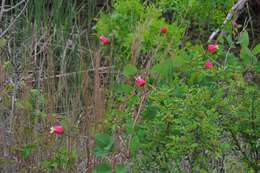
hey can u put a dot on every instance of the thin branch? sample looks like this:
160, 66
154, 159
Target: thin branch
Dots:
251, 24
2, 10
13, 22
233, 14
68, 74
13, 7
136, 117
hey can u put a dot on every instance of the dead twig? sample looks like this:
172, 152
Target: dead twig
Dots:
27, 78
233, 14
13, 7
2, 10
15, 19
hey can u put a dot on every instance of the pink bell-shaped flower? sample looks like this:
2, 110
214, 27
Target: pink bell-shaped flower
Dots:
212, 47
104, 40
58, 129
163, 30
139, 81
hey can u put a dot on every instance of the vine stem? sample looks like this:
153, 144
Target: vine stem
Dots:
136, 117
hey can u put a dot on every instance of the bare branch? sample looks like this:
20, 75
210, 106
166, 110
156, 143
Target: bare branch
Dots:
13, 22
2, 10
233, 14
13, 7
101, 69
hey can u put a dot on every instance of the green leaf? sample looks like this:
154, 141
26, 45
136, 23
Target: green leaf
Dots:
2, 42
229, 40
24, 104
8, 67
49, 164
102, 168
135, 144
122, 88
247, 56
150, 112
258, 68
196, 77
226, 146
104, 144
121, 169
54, 165
26, 153
27, 150
165, 69
244, 39
256, 50
179, 60
130, 70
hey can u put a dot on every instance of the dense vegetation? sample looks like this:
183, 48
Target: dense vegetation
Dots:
132, 83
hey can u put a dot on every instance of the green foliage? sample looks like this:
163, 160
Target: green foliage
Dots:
106, 168
232, 165
8, 67
130, 70
189, 111
186, 119
2, 42
248, 56
136, 27
121, 169
102, 168
241, 120
256, 50
244, 39
37, 99
123, 20
27, 150
62, 159
33, 104
196, 14
104, 144
184, 124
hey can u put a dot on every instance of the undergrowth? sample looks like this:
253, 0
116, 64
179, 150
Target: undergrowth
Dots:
198, 111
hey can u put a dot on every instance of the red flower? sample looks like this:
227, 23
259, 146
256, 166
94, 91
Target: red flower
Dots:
104, 40
163, 30
212, 47
57, 129
139, 81
208, 64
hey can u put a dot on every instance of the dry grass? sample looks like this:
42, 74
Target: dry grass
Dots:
60, 66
